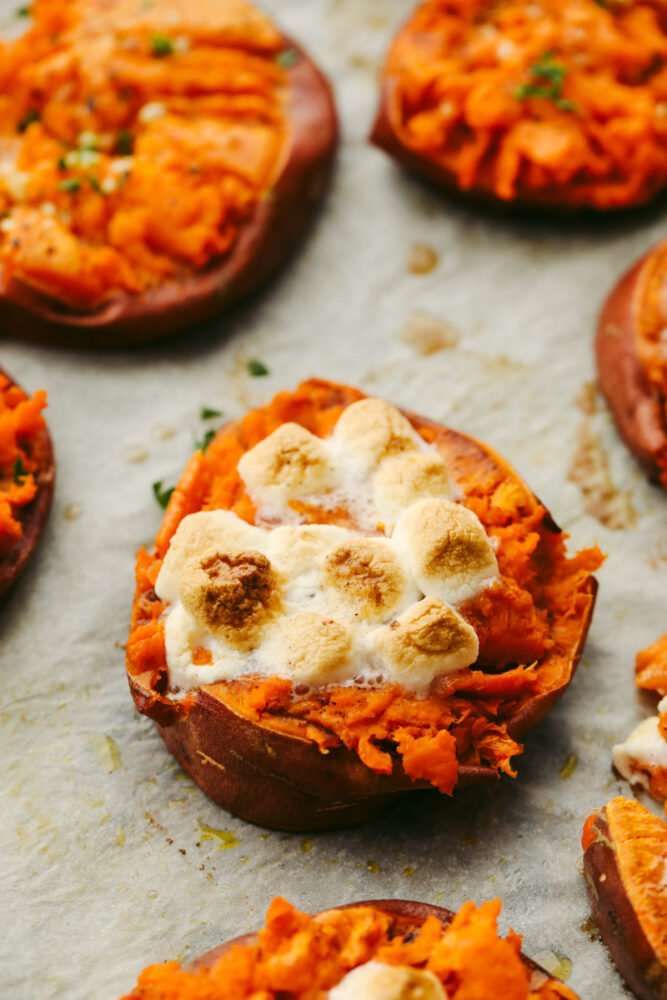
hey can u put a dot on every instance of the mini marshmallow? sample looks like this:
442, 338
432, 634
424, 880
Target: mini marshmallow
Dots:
403, 479
429, 640
311, 649
291, 462
644, 752
377, 981
372, 430
446, 548
296, 549
365, 580
195, 534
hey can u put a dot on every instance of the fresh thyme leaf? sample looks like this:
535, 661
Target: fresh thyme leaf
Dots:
62, 163
161, 46
30, 116
71, 184
257, 368
95, 185
162, 496
287, 58
23, 11
205, 441
206, 413
124, 145
20, 471
547, 81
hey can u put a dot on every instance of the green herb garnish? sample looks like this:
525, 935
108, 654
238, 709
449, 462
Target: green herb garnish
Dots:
287, 58
23, 11
70, 184
257, 368
161, 46
548, 78
30, 117
124, 145
205, 441
206, 413
162, 496
95, 185
20, 471
62, 163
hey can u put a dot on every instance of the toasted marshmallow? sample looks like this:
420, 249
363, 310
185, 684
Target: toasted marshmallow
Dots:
429, 640
371, 430
403, 479
297, 549
643, 753
446, 548
182, 635
291, 462
377, 981
311, 649
198, 532
230, 595
366, 580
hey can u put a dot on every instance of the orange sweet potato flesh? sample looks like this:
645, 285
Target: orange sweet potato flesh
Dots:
309, 955
651, 667
339, 755
136, 264
511, 109
625, 857
632, 372
27, 476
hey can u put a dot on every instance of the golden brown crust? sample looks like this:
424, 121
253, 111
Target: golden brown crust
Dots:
33, 516
263, 245
636, 405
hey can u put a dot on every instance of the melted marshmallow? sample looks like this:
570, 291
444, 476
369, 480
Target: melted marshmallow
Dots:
377, 981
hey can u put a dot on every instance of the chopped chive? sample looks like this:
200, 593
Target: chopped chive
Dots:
70, 184
206, 413
548, 79
257, 368
287, 58
205, 441
30, 116
161, 46
20, 471
162, 496
95, 185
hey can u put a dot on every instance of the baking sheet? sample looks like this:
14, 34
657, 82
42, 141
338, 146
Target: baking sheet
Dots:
111, 857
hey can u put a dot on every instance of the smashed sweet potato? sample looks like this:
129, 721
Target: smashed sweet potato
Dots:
560, 104
631, 362
157, 162
27, 475
436, 953
336, 754
625, 859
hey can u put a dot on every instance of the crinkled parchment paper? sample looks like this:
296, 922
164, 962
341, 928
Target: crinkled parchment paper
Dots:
111, 858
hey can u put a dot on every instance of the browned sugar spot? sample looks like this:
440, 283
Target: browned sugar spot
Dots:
427, 334
589, 469
422, 259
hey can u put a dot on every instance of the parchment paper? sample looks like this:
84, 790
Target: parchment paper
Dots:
110, 856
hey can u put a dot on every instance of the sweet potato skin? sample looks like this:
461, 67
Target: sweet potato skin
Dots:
284, 782
263, 245
408, 916
616, 918
635, 404
33, 518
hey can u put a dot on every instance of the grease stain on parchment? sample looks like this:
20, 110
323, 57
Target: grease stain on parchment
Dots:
107, 752
422, 259
589, 470
225, 838
427, 334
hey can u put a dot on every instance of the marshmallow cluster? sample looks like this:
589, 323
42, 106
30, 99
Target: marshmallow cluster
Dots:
319, 603
644, 752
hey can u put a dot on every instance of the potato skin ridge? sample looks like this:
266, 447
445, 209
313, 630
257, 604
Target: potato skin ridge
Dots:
635, 404
264, 244
614, 913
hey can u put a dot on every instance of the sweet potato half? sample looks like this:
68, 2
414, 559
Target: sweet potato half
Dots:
631, 369
338, 755
625, 858
266, 225
308, 956
27, 476
506, 108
